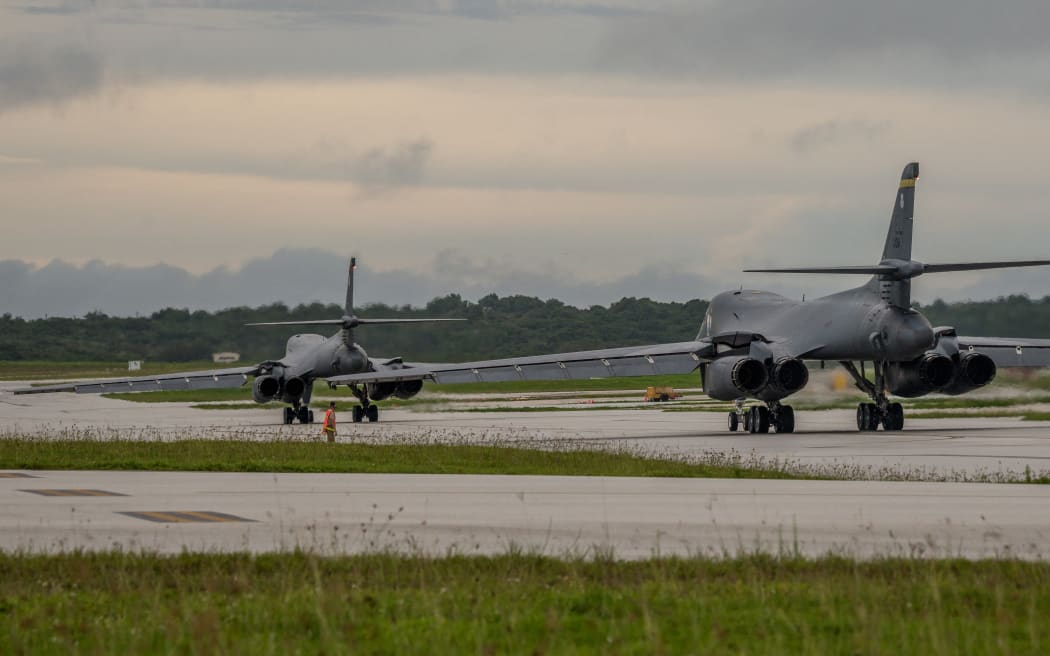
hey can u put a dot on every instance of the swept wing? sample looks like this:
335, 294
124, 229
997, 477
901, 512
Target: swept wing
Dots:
187, 380
1010, 351
676, 358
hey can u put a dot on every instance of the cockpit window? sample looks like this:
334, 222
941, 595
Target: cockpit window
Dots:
705, 327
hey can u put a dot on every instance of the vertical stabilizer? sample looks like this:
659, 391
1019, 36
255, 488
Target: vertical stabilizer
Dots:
898, 239
348, 310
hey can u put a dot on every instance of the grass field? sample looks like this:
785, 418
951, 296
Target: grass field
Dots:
518, 604
284, 456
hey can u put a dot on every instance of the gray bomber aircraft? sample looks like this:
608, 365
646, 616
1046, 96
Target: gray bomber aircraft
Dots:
756, 345
307, 357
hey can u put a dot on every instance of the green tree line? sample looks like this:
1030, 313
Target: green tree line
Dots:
495, 327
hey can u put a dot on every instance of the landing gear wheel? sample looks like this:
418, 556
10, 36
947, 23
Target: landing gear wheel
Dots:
372, 412
759, 419
785, 419
357, 414
303, 415
289, 415
894, 419
868, 417
310, 417
734, 422
874, 417
747, 420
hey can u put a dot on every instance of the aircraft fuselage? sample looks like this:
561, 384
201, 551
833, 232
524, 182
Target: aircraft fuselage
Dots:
850, 325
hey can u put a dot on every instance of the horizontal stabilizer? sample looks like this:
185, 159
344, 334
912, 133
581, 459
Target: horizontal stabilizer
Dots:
977, 266
353, 322
319, 322
864, 270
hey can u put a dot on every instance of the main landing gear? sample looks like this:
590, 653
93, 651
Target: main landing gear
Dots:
761, 418
298, 412
367, 409
882, 411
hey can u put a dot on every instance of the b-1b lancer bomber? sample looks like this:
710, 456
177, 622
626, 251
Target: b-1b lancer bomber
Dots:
756, 345
290, 379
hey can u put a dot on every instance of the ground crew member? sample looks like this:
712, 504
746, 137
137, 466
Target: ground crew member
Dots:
329, 422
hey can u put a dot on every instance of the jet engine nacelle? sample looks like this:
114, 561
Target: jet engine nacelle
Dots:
789, 375
972, 371
406, 389
730, 378
294, 387
403, 390
930, 372
380, 391
265, 388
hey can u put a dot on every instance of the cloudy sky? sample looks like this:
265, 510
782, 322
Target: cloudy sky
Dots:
209, 153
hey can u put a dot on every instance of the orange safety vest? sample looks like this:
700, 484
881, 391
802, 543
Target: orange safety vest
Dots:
329, 421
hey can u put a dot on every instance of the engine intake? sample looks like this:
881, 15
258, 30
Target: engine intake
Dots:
973, 370
265, 388
928, 373
730, 378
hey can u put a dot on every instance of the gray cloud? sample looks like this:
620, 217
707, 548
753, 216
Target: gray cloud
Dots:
730, 39
396, 166
833, 132
942, 43
32, 74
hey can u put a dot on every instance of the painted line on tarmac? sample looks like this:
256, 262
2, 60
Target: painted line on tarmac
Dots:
75, 493
184, 516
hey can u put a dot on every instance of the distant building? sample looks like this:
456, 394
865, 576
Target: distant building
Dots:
225, 357
134, 365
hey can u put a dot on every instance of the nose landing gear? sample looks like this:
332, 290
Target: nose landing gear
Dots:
882, 411
367, 409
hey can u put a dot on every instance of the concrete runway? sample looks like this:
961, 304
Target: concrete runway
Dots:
958, 449
556, 515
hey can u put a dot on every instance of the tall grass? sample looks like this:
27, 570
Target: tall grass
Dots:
518, 603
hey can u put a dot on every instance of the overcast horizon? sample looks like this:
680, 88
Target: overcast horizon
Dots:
215, 153
59, 289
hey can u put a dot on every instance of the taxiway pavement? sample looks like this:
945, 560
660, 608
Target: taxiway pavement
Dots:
561, 516
966, 448
626, 517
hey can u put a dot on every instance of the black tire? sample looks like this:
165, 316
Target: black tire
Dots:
310, 417
372, 412
303, 415
761, 418
357, 414
862, 416
894, 419
289, 415
747, 420
734, 422
874, 417
786, 419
